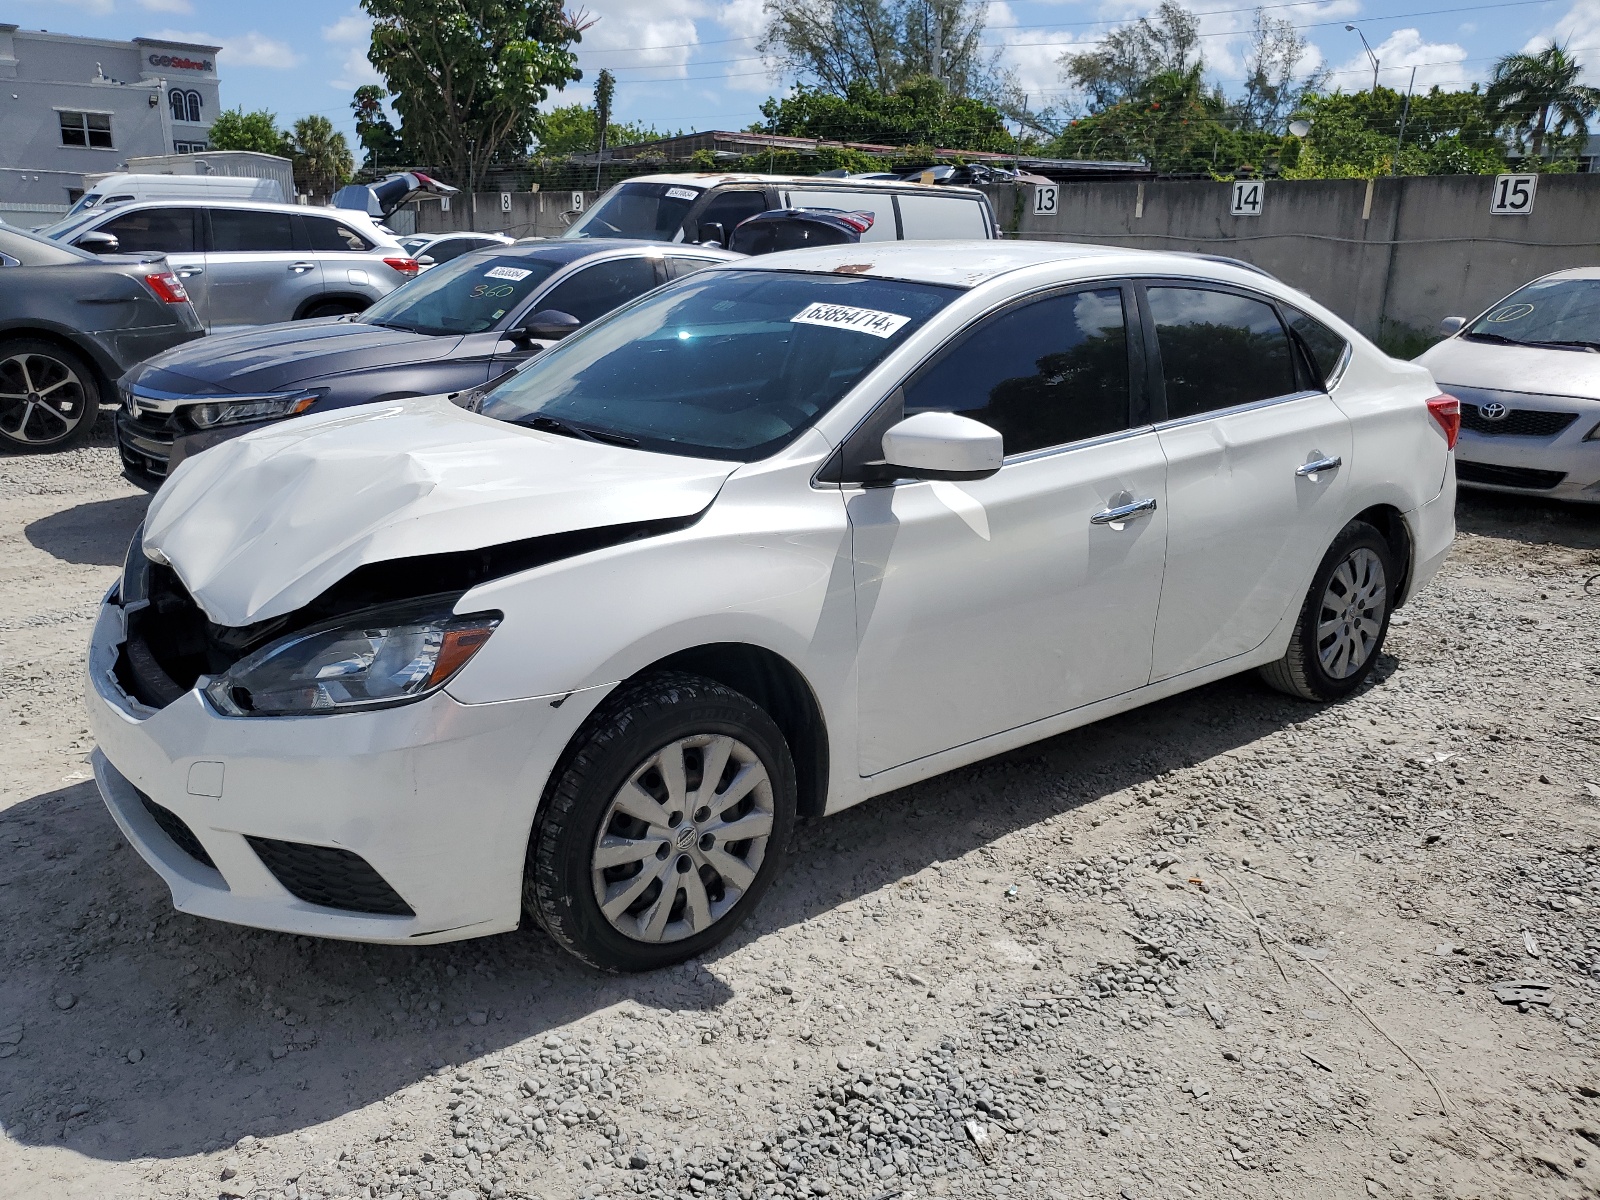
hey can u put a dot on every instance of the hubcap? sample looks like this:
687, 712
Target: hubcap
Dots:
1352, 613
41, 399
683, 839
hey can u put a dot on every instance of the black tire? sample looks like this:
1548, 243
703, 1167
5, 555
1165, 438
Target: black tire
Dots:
1301, 671
65, 392
642, 720
332, 308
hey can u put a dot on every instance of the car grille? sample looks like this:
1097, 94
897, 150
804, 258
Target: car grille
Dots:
182, 836
1517, 477
145, 441
330, 877
1517, 422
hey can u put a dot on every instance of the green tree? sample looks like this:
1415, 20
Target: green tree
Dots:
570, 129
1538, 96
920, 112
467, 76
1357, 136
321, 155
235, 129
378, 137
1129, 57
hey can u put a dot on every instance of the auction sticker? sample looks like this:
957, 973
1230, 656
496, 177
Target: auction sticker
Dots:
514, 274
842, 316
677, 193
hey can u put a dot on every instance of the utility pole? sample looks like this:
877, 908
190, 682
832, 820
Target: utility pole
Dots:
605, 86
1405, 113
938, 41
1370, 55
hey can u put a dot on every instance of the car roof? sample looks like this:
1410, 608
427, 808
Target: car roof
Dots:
565, 251
1569, 273
970, 263
711, 179
320, 210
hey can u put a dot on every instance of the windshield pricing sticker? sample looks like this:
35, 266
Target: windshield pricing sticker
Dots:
514, 274
677, 193
841, 316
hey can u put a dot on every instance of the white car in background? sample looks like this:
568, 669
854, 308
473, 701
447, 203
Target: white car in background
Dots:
1527, 373
431, 249
770, 540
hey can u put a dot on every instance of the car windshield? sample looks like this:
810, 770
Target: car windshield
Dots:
727, 364
469, 295
412, 244
68, 224
31, 250
652, 211
1551, 312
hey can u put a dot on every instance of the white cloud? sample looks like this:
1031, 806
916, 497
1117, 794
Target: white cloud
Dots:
354, 32
1578, 27
166, 6
245, 50
1437, 63
352, 27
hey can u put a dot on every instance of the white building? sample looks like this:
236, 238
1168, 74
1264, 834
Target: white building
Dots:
76, 106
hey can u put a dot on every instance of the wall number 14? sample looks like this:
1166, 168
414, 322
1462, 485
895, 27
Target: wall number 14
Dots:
1247, 196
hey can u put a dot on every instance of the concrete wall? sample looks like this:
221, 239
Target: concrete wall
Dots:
533, 214
1395, 252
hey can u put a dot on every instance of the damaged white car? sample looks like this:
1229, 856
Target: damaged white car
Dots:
769, 541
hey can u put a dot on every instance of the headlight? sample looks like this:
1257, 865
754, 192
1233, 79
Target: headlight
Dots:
374, 659
257, 408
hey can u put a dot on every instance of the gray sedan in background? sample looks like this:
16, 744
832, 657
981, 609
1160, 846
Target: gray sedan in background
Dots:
70, 324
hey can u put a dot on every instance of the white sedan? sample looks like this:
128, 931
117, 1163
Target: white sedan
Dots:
765, 543
1527, 373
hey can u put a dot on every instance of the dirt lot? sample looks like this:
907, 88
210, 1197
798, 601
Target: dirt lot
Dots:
1230, 945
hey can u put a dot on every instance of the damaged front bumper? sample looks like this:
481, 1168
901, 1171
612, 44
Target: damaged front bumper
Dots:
402, 825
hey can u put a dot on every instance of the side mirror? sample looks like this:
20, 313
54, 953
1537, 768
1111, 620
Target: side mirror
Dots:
712, 234
97, 243
547, 323
1452, 325
936, 445
426, 260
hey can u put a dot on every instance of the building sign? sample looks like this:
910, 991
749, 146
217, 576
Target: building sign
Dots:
179, 61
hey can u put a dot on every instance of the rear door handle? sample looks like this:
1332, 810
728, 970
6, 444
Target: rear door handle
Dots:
1124, 512
187, 272
1317, 465
299, 267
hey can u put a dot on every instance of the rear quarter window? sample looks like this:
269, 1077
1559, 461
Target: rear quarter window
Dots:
942, 218
1328, 351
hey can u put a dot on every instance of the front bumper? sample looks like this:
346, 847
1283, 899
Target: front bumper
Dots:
437, 798
1564, 466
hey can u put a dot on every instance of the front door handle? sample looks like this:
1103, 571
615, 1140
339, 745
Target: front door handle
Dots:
1123, 512
298, 267
1317, 465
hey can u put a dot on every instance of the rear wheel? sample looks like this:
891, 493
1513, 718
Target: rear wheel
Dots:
49, 398
665, 825
332, 308
1344, 620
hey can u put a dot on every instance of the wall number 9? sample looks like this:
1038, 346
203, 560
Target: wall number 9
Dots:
1513, 195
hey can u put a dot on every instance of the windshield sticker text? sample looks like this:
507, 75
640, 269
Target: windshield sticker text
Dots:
842, 316
515, 274
675, 193
1511, 312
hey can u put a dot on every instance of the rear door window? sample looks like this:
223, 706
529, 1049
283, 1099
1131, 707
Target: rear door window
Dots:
879, 204
942, 217
595, 291
242, 230
158, 230
327, 234
1043, 373
451, 248
1219, 349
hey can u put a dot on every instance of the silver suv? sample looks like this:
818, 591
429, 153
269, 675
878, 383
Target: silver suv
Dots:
249, 263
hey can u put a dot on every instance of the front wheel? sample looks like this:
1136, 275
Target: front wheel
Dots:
1344, 620
664, 825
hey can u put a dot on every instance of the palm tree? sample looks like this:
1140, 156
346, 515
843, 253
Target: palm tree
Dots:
1539, 95
322, 156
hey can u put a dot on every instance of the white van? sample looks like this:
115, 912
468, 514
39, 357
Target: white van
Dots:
119, 189
705, 208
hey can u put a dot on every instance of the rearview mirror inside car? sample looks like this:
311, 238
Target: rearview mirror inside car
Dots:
1452, 325
97, 243
712, 233
547, 323
934, 445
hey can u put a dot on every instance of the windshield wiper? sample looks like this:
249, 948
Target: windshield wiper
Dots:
1494, 337
1569, 343
566, 429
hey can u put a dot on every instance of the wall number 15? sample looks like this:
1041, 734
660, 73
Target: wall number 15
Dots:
1513, 195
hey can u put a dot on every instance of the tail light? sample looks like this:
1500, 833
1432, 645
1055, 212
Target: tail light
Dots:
168, 287
406, 266
859, 221
1447, 411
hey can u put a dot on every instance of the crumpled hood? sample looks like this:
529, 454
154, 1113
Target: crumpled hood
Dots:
1528, 369
261, 525
270, 358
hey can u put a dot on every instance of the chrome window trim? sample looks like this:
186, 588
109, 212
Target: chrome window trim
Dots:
1211, 414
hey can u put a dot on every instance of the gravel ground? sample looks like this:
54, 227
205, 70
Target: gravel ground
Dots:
1229, 945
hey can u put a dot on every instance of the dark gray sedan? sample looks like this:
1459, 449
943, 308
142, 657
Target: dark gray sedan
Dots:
70, 324
452, 328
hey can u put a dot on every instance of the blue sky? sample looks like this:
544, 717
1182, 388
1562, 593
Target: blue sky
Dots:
693, 64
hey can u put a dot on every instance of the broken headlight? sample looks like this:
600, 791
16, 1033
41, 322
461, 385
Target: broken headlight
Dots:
372, 659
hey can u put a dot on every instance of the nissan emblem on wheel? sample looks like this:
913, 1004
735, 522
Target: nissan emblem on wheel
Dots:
579, 648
